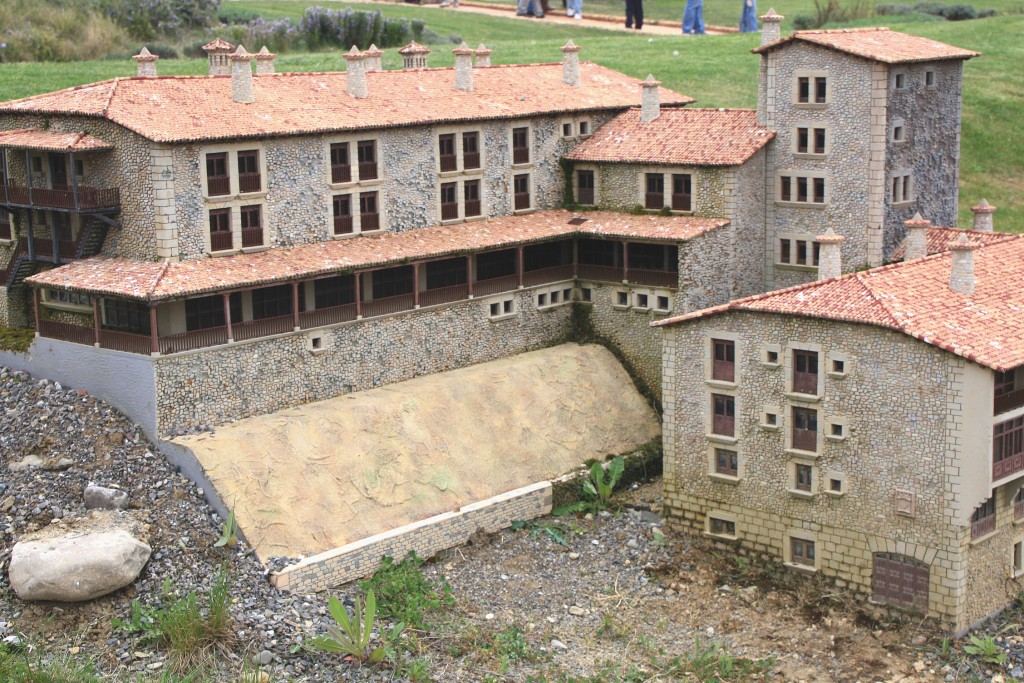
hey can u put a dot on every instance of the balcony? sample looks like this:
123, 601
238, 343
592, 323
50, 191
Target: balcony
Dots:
368, 170
654, 278
343, 225
449, 162
61, 198
218, 186
805, 383
520, 155
221, 240
341, 173
983, 526
682, 202
252, 237
250, 182
1008, 401
654, 200
805, 440
473, 208
449, 211
522, 201
587, 271
471, 160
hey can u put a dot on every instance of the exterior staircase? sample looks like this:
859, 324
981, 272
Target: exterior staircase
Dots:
20, 267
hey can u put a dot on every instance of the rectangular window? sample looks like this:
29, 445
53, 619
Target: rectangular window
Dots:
900, 81
5, 225
252, 226
567, 129
654, 197
271, 302
63, 296
799, 252
249, 171
682, 192
341, 168
901, 186
805, 429
584, 128
130, 316
521, 190
802, 477
220, 230
805, 372
217, 181
471, 196
983, 521
470, 151
342, 211
1018, 557
446, 152
447, 273
369, 218
390, 282
366, 150
810, 140
897, 133
722, 527
724, 366
495, 264
449, 201
802, 551
723, 421
329, 292
585, 187
802, 189
1008, 448
929, 79
1005, 382
520, 145
820, 89
204, 312
803, 89
726, 462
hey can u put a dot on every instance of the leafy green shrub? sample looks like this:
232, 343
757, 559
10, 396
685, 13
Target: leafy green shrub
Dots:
64, 32
162, 19
237, 15
322, 28
164, 51
16, 339
602, 482
987, 649
351, 635
405, 595
956, 12
804, 22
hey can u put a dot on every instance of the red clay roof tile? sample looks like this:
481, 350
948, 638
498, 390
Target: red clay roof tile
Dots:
52, 140
938, 239
876, 43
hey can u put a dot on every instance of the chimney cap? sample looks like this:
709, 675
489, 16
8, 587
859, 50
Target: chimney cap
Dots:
917, 222
961, 243
218, 45
983, 207
482, 50
772, 15
146, 55
830, 237
354, 54
463, 50
240, 55
264, 53
570, 47
373, 51
649, 82
414, 48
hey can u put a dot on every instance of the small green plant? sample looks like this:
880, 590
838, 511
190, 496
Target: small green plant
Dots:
17, 666
611, 627
556, 532
351, 635
404, 594
16, 339
986, 648
142, 620
713, 662
228, 533
602, 482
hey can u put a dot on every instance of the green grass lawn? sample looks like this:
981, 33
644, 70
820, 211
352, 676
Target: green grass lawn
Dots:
718, 71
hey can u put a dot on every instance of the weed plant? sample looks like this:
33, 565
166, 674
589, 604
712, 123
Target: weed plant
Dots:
404, 594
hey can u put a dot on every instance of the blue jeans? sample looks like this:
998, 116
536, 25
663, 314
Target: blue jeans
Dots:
693, 17
574, 6
634, 12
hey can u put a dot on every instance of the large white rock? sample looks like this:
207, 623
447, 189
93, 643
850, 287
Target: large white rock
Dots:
76, 566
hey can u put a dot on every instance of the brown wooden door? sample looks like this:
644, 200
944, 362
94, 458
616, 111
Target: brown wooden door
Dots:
901, 581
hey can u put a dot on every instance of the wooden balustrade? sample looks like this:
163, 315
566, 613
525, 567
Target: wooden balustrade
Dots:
654, 278
250, 182
541, 276
389, 304
505, 283
69, 332
985, 525
196, 339
252, 237
327, 316
341, 173
264, 327
62, 197
444, 295
586, 271
126, 341
1008, 402
217, 186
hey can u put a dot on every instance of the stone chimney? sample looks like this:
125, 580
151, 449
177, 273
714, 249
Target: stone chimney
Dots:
414, 56
982, 214
265, 61
217, 53
961, 273
771, 27
650, 105
830, 257
145, 64
355, 74
571, 63
463, 68
374, 56
483, 55
241, 76
916, 244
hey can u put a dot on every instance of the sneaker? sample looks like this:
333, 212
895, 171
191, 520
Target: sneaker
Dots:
578, 15
568, 12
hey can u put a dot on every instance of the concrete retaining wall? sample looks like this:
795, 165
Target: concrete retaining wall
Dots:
425, 537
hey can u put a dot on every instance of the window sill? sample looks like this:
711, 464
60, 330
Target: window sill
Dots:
797, 493
248, 196
810, 156
71, 308
803, 568
983, 538
802, 398
523, 212
721, 438
720, 537
801, 205
720, 384
619, 307
225, 252
771, 366
723, 478
660, 311
255, 250
345, 236
252, 195
548, 307
6, 243
810, 105
836, 375
499, 318
768, 427
1018, 522
902, 205
805, 455
317, 352
835, 494
835, 439
798, 268
354, 184
521, 167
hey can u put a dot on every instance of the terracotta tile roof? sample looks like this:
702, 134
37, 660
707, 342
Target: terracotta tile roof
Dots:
876, 43
938, 239
153, 281
697, 137
914, 297
220, 45
51, 140
186, 108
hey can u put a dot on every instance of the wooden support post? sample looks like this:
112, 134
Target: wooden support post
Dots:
359, 294
74, 180
6, 177
295, 306
28, 175
154, 336
96, 319
469, 276
415, 285
29, 237
575, 257
625, 263
35, 307
227, 315
519, 258
55, 242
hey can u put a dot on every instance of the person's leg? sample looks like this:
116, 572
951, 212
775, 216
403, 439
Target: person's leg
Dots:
639, 14
629, 13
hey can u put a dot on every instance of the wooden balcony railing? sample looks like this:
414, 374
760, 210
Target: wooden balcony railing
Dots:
723, 425
1018, 509
449, 212
805, 382
473, 208
263, 327
63, 197
1007, 466
444, 295
586, 271
522, 201
250, 182
126, 341
341, 173
805, 440
369, 221
70, 332
471, 160
682, 202
389, 304
343, 225
218, 185
221, 241
585, 195
196, 339
327, 316
723, 370
1007, 402
542, 276
449, 162
654, 200
985, 525
654, 278
252, 237
5, 230
520, 155
505, 283
368, 171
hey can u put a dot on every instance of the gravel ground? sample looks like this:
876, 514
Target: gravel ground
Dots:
618, 602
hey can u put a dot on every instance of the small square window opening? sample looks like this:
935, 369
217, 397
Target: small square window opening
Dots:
838, 430
642, 301
506, 306
566, 130
838, 366
586, 294
722, 527
835, 485
622, 298
772, 356
662, 303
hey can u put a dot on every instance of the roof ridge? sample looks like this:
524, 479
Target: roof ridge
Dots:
874, 297
160, 276
110, 97
858, 29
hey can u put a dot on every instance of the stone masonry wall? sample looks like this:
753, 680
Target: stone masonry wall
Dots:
426, 538
253, 378
892, 420
620, 187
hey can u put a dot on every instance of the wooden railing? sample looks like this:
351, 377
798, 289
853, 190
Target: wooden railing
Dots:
368, 171
723, 425
805, 382
61, 197
250, 182
505, 283
586, 271
327, 316
585, 195
805, 440
369, 221
682, 202
221, 241
70, 332
471, 160
5, 230
444, 295
723, 370
985, 525
522, 201
389, 304
449, 211
654, 200
196, 339
1018, 509
263, 327
473, 208
520, 155
449, 162
343, 225
341, 173
1007, 402
126, 341
654, 278
218, 185
252, 237
542, 276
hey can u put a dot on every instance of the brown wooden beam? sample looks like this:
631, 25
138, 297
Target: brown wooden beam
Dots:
96, 319
153, 330
227, 314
